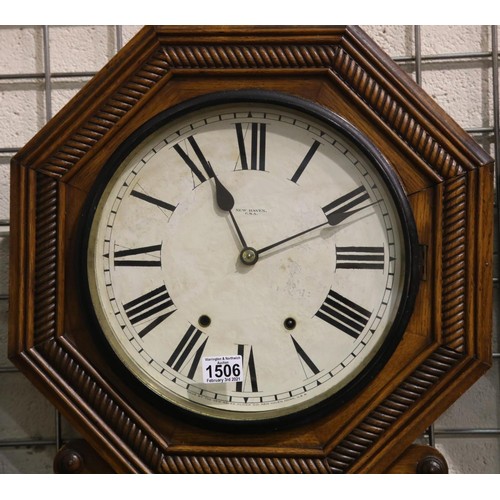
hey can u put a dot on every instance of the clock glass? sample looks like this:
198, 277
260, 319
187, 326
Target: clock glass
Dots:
251, 256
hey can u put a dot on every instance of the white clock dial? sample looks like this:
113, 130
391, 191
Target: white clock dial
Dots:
249, 229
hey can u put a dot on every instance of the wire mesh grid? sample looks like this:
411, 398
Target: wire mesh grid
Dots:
415, 64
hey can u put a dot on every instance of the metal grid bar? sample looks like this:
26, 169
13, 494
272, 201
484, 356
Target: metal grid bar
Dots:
47, 75
41, 76
417, 62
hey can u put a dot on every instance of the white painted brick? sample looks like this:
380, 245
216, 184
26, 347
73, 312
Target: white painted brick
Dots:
471, 454
129, 31
24, 412
4, 188
4, 268
4, 362
478, 407
463, 90
455, 39
394, 40
80, 48
21, 50
36, 460
22, 112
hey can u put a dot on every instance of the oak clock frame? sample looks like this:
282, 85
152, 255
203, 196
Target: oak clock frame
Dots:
448, 181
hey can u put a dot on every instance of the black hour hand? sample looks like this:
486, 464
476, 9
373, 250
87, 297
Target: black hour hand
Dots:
223, 197
225, 202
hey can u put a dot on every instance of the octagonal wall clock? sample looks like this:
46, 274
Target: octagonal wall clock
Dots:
251, 250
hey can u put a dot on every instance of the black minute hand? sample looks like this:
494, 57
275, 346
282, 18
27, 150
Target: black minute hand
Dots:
333, 219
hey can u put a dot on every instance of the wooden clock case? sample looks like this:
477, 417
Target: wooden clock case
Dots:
447, 178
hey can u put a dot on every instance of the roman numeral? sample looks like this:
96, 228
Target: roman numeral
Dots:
305, 359
347, 203
360, 258
188, 352
154, 201
305, 161
190, 162
246, 353
257, 158
138, 257
343, 314
151, 309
